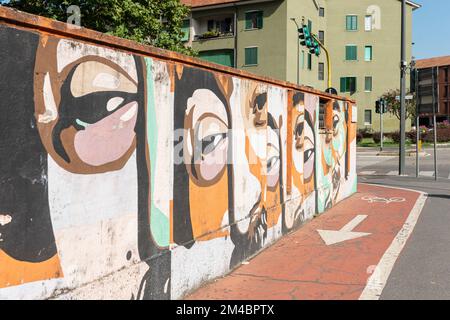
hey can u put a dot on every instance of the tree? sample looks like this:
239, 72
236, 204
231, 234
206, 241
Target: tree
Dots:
153, 22
393, 105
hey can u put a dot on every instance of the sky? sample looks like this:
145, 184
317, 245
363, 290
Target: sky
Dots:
431, 29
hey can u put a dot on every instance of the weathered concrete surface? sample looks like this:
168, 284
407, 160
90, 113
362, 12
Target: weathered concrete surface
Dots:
302, 266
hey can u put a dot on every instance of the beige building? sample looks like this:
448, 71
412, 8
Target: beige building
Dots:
363, 38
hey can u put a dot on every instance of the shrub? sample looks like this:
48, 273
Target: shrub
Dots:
376, 136
359, 137
366, 132
395, 136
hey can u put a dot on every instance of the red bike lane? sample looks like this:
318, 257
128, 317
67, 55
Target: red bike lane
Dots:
331, 257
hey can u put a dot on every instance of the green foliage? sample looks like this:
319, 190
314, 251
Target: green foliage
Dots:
154, 22
393, 104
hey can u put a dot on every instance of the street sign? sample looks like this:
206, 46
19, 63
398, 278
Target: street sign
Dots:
427, 90
410, 97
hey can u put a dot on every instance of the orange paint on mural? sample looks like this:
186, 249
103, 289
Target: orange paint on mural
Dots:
208, 206
14, 272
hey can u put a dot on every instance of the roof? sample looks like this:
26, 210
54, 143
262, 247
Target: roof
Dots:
433, 62
205, 3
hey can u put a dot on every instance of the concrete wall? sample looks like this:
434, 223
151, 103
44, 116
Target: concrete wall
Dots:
129, 172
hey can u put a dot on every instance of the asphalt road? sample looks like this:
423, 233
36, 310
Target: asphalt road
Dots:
370, 164
423, 269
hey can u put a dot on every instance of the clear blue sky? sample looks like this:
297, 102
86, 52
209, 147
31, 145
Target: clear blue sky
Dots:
431, 31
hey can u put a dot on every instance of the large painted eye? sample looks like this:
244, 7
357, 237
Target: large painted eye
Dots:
308, 154
273, 159
211, 142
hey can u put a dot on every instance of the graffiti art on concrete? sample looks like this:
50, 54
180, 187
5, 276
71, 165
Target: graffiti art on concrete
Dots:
128, 176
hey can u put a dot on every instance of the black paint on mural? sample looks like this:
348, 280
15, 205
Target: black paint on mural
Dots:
23, 159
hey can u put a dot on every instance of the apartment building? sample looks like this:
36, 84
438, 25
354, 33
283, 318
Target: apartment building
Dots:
260, 36
443, 65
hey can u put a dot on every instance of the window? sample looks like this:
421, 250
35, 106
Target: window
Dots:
321, 12
348, 84
352, 23
368, 53
253, 20
322, 36
368, 84
223, 57
185, 28
367, 117
368, 23
351, 53
222, 26
251, 56
321, 71
309, 61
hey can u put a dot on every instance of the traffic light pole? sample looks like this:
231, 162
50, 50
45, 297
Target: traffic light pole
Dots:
328, 59
381, 127
402, 158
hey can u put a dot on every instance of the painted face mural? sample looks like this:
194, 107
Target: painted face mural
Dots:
339, 147
124, 176
257, 166
89, 112
303, 158
201, 155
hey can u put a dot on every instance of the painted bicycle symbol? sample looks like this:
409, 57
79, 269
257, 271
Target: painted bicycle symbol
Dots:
374, 199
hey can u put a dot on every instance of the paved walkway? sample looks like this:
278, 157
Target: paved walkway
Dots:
346, 253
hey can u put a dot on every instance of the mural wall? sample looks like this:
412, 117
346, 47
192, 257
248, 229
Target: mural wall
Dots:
129, 177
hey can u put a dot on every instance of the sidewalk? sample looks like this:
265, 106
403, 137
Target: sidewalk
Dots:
364, 231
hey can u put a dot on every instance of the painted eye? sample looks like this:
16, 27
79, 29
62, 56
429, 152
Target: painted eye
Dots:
335, 121
308, 154
210, 143
273, 171
299, 129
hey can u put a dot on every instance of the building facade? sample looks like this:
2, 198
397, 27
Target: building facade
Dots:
260, 36
443, 65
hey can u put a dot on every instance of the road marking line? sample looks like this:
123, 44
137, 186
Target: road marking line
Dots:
379, 277
392, 173
367, 173
426, 173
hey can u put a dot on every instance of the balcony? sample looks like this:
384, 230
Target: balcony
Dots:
208, 28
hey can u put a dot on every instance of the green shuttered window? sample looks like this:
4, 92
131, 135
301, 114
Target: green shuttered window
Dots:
368, 53
251, 56
185, 28
351, 53
368, 84
348, 84
352, 23
253, 20
223, 57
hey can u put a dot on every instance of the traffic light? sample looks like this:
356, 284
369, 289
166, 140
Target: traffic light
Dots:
307, 40
378, 106
315, 49
381, 106
305, 36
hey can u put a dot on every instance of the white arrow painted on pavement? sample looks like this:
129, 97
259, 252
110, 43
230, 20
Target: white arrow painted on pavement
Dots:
346, 233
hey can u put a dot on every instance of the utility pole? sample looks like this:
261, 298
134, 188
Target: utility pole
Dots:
403, 65
383, 104
298, 51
